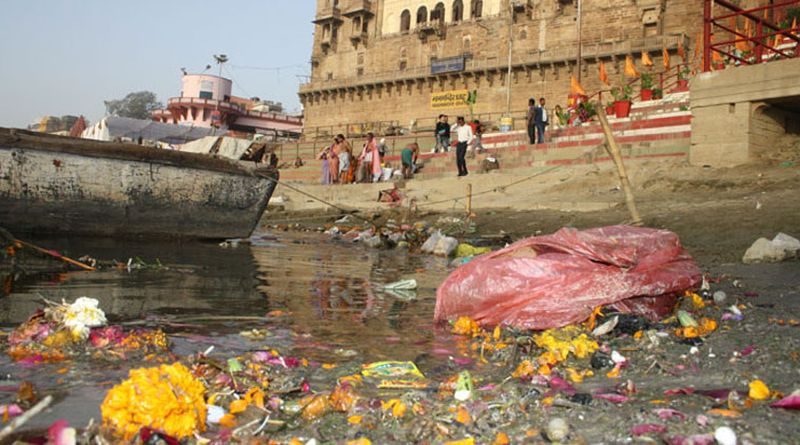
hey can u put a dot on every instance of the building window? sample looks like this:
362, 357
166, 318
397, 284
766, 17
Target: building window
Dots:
437, 15
458, 11
422, 15
206, 95
359, 71
403, 65
477, 9
357, 25
405, 21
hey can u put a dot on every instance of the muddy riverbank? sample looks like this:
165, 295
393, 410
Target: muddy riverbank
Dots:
319, 301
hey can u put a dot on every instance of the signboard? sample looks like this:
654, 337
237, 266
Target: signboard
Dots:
451, 65
449, 99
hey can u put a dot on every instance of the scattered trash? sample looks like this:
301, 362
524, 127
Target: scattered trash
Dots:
725, 436
393, 370
781, 247
409, 284
557, 429
468, 250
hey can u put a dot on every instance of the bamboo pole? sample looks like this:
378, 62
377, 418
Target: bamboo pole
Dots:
469, 199
613, 150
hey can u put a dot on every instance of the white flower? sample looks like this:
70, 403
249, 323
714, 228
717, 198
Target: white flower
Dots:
85, 311
81, 315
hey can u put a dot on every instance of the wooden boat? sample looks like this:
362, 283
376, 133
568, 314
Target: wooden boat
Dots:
55, 184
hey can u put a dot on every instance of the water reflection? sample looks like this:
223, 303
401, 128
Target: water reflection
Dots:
330, 292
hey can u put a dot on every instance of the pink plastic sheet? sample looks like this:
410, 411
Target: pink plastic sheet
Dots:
555, 280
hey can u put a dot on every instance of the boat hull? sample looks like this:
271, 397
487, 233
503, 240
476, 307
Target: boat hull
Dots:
58, 185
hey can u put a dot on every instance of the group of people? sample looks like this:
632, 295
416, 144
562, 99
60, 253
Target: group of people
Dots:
537, 120
468, 137
341, 166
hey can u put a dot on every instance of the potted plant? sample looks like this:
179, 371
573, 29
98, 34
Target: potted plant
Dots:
647, 86
610, 109
622, 100
658, 93
683, 78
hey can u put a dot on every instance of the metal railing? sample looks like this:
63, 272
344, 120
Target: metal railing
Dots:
759, 42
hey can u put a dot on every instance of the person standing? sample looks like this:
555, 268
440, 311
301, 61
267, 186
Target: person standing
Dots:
345, 155
371, 159
530, 120
442, 134
324, 155
541, 120
464, 137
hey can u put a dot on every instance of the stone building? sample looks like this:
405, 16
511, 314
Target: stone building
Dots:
405, 61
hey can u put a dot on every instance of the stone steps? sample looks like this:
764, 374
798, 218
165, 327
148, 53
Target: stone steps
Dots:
654, 129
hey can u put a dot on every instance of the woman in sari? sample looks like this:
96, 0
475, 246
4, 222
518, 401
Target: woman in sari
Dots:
334, 162
325, 154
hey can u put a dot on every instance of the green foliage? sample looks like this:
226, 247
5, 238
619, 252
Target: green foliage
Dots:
647, 81
138, 105
791, 15
591, 108
683, 73
623, 93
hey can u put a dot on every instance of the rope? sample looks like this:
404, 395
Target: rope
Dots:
309, 195
455, 200
504, 187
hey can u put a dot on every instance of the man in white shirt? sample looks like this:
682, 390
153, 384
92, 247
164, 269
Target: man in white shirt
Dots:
464, 137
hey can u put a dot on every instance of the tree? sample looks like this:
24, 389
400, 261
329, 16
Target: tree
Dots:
137, 105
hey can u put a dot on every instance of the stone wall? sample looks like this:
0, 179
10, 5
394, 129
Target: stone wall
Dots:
386, 76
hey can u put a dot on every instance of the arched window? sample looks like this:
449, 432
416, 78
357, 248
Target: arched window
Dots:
422, 15
405, 21
437, 15
477, 9
458, 11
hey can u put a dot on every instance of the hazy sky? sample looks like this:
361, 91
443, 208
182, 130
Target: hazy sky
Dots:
62, 57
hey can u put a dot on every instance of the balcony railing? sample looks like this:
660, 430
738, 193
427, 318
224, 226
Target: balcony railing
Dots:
205, 103
762, 38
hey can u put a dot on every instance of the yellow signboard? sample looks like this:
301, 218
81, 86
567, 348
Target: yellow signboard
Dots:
449, 99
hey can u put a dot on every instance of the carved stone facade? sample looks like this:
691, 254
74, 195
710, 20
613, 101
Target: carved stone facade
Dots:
384, 60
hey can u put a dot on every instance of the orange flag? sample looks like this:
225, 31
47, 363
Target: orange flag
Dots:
646, 61
698, 42
794, 25
665, 56
575, 87
741, 45
630, 68
603, 73
682, 52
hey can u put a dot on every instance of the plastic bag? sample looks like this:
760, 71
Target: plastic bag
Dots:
466, 250
556, 280
431, 242
446, 246
392, 369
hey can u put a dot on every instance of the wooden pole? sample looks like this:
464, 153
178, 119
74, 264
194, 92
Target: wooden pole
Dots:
613, 150
469, 199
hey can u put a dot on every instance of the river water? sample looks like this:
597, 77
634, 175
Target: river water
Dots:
324, 299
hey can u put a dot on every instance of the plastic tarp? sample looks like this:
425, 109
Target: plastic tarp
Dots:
231, 148
112, 127
556, 280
